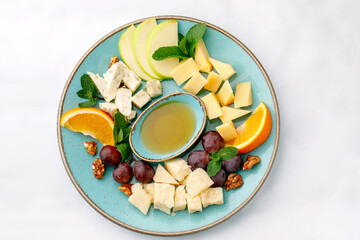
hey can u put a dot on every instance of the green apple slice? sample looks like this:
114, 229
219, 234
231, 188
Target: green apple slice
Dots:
140, 37
164, 34
127, 53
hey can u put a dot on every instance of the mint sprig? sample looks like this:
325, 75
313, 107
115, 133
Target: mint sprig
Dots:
88, 91
216, 159
186, 44
121, 134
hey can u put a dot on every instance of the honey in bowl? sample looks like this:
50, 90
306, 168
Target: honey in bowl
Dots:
168, 127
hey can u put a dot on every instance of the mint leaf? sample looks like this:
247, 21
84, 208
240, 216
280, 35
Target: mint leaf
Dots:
180, 37
127, 132
227, 153
84, 94
213, 168
183, 45
214, 156
119, 124
168, 52
120, 135
194, 35
87, 103
86, 82
124, 149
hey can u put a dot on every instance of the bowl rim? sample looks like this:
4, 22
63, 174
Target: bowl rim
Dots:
157, 233
181, 150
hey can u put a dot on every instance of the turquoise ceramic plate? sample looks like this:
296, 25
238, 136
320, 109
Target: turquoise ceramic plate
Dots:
104, 196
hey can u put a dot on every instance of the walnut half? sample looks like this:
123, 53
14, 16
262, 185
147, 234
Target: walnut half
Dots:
233, 181
126, 188
98, 168
250, 162
113, 60
91, 147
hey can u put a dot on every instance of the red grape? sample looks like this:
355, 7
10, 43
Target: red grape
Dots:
143, 171
109, 155
198, 159
212, 142
122, 173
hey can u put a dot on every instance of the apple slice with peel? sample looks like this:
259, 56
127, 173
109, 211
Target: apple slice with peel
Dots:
163, 35
127, 53
140, 37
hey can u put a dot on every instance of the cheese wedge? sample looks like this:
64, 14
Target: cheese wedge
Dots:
123, 101
243, 95
197, 181
213, 82
224, 69
195, 84
212, 196
227, 131
178, 168
225, 94
162, 176
230, 113
184, 70
141, 200
180, 198
164, 197
193, 203
212, 105
202, 57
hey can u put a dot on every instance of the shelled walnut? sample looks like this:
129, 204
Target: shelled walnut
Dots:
113, 60
91, 147
126, 188
233, 181
250, 162
98, 168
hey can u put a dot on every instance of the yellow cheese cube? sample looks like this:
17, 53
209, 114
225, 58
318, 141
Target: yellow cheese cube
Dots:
213, 82
227, 131
195, 84
197, 181
136, 187
162, 176
193, 203
184, 70
243, 95
202, 57
212, 106
178, 168
230, 113
226, 94
149, 188
180, 198
224, 69
141, 200
164, 197
212, 196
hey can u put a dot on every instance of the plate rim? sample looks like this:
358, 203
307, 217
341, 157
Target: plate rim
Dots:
156, 233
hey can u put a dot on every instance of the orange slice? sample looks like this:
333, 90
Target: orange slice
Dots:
255, 130
90, 121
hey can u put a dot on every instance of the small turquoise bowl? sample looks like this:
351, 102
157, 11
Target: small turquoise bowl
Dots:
200, 114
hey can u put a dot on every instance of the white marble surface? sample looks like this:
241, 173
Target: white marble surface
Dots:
311, 52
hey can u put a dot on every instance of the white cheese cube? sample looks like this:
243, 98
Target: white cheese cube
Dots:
131, 80
101, 85
136, 187
109, 108
164, 197
178, 168
141, 200
140, 99
197, 182
113, 78
162, 176
193, 203
131, 116
123, 101
153, 88
180, 198
212, 196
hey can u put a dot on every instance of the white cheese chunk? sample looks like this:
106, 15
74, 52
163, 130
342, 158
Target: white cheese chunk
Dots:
101, 85
162, 176
136, 187
197, 182
178, 168
212, 196
164, 197
153, 88
140, 99
109, 108
131, 80
180, 198
113, 78
123, 101
141, 200
131, 116
193, 203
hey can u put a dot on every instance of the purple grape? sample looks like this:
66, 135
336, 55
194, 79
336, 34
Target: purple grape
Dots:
219, 178
122, 173
198, 159
143, 171
233, 164
212, 142
109, 155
